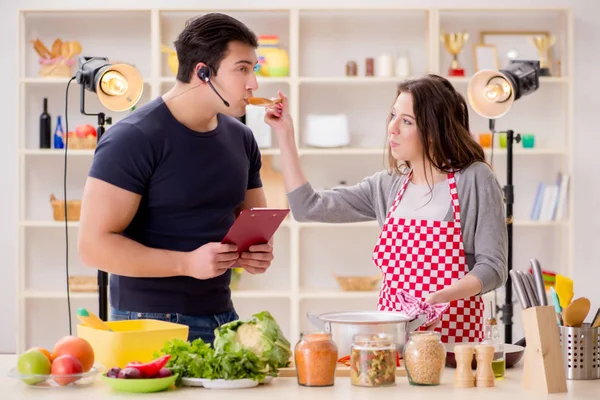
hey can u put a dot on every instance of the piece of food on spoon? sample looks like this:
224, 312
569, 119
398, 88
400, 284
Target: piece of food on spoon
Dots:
261, 101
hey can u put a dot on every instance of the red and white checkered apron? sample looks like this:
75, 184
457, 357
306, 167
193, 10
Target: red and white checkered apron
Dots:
424, 256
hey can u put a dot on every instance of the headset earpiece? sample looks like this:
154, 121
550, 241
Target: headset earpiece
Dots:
204, 74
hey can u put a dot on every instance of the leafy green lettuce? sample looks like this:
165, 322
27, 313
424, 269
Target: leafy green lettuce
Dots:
199, 360
238, 365
242, 349
261, 335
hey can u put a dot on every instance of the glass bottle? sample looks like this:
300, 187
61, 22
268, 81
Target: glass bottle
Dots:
491, 336
373, 360
424, 358
59, 134
315, 356
45, 127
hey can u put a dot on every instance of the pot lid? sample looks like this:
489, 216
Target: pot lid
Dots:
365, 317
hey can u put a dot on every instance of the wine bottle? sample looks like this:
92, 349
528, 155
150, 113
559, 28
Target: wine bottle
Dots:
45, 127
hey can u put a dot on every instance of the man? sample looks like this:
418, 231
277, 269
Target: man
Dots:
168, 181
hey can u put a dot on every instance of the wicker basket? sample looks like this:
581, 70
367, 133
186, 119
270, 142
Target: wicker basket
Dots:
358, 283
83, 284
58, 208
82, 143
56, 68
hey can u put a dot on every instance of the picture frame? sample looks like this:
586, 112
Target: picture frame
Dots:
514, 44
485, 56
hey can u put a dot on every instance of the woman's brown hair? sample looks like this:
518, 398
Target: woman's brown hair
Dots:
442, 118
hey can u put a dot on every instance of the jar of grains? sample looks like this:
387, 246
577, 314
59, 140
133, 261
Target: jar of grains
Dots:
373, 360
316, 358
424, 358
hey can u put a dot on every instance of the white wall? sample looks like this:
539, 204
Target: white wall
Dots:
587, 62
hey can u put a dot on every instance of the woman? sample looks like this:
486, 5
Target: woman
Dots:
443, 239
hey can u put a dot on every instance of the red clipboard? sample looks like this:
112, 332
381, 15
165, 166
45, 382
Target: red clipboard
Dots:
254, 226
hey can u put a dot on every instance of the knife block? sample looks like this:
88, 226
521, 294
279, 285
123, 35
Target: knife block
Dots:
544, 369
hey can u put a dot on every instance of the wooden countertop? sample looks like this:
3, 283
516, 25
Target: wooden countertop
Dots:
287, 389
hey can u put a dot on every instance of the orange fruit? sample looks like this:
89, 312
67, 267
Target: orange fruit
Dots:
76, 347
43, 351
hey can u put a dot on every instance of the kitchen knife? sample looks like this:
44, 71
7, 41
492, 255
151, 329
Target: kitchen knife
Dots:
531, 281
528, 293
516, 281
539, 281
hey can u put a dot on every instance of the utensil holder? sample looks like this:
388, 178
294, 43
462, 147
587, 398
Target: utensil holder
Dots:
543, 369
581, 351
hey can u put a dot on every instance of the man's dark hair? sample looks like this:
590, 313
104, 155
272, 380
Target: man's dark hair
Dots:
205, 39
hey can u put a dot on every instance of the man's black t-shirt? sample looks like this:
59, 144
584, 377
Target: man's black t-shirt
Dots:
190, 183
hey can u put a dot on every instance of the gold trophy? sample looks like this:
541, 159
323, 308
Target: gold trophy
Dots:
454, 42
543, 44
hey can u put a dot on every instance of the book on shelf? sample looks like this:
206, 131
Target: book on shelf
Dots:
551, 200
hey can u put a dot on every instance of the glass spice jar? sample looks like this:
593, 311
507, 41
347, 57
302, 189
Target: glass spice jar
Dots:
373, 360
316, 358
351, 68
370, 66
424, 358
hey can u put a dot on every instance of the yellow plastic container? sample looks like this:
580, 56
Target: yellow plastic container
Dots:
134, 340
273, 61
172, 60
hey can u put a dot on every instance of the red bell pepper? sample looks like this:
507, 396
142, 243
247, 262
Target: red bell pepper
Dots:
344, 360
150, 369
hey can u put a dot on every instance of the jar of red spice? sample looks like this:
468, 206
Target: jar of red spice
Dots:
315, 357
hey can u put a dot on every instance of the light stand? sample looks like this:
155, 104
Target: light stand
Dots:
491, 95
509, 194
102, 276
102, 119
118, 87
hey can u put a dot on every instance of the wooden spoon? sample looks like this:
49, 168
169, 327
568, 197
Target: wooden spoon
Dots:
261, 101
575, 313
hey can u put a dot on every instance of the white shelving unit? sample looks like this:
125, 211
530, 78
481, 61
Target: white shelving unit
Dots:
319, 42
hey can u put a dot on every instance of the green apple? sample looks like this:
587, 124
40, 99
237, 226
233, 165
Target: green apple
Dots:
33, 362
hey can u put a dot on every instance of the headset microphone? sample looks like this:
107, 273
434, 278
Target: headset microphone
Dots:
204, 74
215, 90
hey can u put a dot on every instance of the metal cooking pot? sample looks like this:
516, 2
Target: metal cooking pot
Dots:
344, 325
